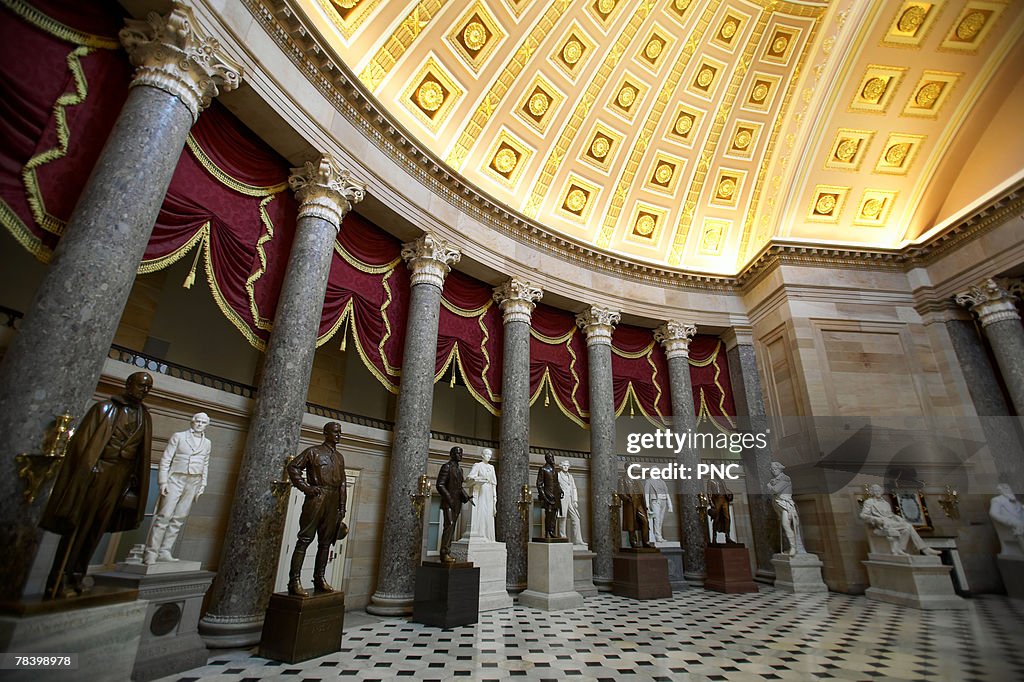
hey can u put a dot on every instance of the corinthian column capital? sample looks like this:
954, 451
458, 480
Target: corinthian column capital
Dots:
991, 300
597, 323
430, 259
170, 54
325, 190
675, 338
517, 299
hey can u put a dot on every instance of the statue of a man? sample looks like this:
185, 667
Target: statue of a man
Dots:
550, 494
182, 479
878, 515
103, 483
1007, 511
635, 516
659, 503
484, 484
319, 473
453, 496
781, 488
569, 510
719, 499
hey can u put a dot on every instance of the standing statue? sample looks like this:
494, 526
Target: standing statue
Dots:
484, 484
877, 513
1008, 514
781, 487
719, 499
453, 496
659, 503
182, 479
550, 493
635, 516
569, 510
102, 485
319, 473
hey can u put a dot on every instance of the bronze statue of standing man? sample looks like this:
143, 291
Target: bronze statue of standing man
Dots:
550, 493
102, 486
453, 496
319, 472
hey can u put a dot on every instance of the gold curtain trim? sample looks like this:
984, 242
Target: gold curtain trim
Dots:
222, 303
363, 266
575, 376
464, 312
455, 357
384, 380
326, 336
148, 266
711, 358
703, 414
546, 379
250, 283
33, 194
487, 357
552, 340
19, 230
631, 393
56, 28
225, 179
657, 388
393, 371
632, 356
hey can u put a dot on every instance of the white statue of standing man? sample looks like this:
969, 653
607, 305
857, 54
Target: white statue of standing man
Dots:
484, 484
182, 479
781, 489
568, 518
1007, 513
659, 503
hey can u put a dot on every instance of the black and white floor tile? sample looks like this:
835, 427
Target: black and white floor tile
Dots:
697, 635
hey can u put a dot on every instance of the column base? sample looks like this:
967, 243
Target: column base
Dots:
170, 640
105, 637
728, 569
551, 577
1012, 570
381, 605
297, 629
641, 574
447, 595
231, 632
694, 579
798, 574
583, 572
921, 582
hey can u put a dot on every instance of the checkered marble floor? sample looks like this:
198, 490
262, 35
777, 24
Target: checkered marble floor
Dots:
695, 635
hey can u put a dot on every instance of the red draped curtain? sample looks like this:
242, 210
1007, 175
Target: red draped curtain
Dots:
558, 363
469, 338
712, 389
640, 374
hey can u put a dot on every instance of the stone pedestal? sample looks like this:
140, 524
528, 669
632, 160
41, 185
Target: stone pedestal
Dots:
673, 553
105, 636
922, 582
583, 572
551, 577
490, 557
799, 573
728, 569
297, 629
1012, 570
174, 591
640, 574
447, 595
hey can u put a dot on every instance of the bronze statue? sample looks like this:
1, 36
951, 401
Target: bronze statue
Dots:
719, 498
453, 496
324, 509
635, 516
549, 490
102, 485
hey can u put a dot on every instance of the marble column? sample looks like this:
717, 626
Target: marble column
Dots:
675, 338
241, 591
53, 365
517, 300
597, 323
757, 462
430, 259
1000, 321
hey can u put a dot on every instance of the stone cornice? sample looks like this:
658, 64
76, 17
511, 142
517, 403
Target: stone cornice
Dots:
325, 190
170, 54
313, 57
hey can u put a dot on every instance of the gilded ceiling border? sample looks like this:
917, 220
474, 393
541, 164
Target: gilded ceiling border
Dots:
349, 96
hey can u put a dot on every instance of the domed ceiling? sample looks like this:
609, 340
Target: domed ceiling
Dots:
686, 133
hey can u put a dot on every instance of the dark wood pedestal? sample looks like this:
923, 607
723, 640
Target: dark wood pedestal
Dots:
447, 595
728, 569
640, 573
297, 629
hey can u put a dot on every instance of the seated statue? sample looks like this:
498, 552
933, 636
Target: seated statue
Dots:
1007, 514
877, 513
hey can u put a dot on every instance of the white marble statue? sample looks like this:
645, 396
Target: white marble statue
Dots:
659, 503
484, 486
781, 489
568, 511
1007, 514
877, 513
182, 479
